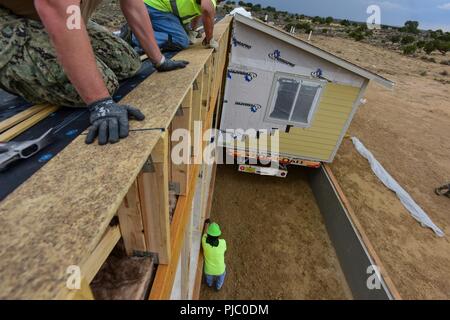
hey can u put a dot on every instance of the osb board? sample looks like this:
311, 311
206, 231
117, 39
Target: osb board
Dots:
57, 217
165, 91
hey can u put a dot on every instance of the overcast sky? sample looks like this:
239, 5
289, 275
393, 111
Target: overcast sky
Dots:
432, 14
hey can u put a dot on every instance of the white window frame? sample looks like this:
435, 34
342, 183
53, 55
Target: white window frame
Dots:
273, 95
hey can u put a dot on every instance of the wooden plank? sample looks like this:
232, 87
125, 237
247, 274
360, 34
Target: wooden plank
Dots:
180, 172
355, 221
72, 199
130, 219
207, 87
154, 195
206, 175
21, 116
165, 275
26, 124
199, 272
197, 98
211, 193
84, 293
198, 277
186, 261
95, 261
163, 283
197, 110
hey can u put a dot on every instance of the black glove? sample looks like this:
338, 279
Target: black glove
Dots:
169, 65
109, 121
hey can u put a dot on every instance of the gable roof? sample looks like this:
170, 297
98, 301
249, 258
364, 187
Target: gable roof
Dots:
287, 37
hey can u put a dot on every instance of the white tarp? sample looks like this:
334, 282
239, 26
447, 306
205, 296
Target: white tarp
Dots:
390, 182
241, 11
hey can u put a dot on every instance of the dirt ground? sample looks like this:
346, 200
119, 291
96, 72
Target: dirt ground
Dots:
407, 130
278, 247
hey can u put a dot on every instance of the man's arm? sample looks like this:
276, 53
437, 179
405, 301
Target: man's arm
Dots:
208, 15
139, 21
73, 49
138, 18
195, 22
109, 121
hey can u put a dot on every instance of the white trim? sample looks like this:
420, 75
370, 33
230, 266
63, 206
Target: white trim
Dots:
313, 109
286, 37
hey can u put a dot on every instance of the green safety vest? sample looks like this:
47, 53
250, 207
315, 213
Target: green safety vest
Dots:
214, 257
186, 10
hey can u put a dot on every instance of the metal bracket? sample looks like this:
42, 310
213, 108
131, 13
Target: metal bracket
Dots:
179, 112
175, 187
149, 166
145, 254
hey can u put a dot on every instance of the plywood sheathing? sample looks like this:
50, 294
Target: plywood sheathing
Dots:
57, 217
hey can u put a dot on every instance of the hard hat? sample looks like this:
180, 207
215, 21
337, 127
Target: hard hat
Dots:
214, 230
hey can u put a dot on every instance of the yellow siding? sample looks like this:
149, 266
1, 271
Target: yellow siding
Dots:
319, 140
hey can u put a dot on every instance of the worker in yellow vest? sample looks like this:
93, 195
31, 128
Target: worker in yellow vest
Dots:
172, 20
214, 252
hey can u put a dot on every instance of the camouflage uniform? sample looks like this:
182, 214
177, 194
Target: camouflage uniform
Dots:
29, 67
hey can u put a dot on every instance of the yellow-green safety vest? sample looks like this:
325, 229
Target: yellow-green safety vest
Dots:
186, 10
214, 257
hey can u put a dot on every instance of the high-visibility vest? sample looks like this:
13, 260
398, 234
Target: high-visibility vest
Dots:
186, 10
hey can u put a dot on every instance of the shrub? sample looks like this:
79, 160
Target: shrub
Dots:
305, 26
442, 46
420, 44
329, 20
324, 30
318, 20
409, 49
345, 23
444, 73
445, 62
408, 39
358, 36
429, 47
411, 27
395, 39
423, 73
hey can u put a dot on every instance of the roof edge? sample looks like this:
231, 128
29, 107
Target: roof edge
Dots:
287, 37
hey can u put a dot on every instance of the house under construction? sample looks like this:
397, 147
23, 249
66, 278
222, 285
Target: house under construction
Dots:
61, 219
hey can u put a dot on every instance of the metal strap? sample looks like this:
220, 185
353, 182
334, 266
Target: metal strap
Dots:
173, 4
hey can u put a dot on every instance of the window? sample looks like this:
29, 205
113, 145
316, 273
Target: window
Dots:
293, 100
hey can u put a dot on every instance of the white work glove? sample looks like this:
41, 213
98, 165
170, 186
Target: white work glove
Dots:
212, 44
193, 36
